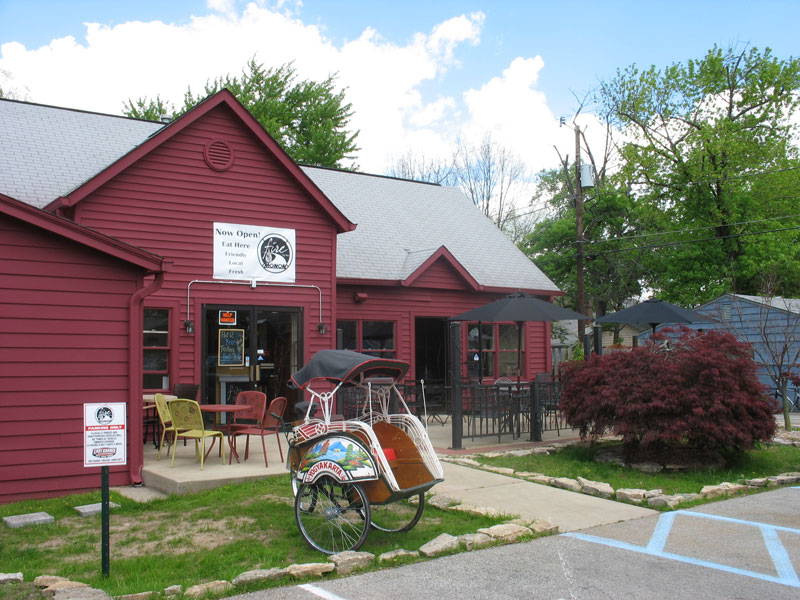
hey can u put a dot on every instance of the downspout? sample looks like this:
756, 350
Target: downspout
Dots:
136, 448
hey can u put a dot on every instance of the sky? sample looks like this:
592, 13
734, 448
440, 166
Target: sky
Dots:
420, 74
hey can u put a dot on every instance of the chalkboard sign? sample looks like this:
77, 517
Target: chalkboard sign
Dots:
230, 351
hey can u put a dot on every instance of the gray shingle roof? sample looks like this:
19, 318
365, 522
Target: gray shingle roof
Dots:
401, 223
46, 152
787, 304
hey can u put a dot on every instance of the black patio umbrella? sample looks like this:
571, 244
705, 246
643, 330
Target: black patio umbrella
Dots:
654, 312
518, 307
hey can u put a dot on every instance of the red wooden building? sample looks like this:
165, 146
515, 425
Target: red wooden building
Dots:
269, 262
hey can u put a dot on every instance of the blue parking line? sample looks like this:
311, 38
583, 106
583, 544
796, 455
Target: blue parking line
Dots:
655, 547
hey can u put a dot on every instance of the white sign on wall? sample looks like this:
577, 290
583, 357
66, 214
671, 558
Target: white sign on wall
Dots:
250, 252
104, 429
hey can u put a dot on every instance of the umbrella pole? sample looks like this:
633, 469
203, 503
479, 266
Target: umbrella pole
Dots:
519, 352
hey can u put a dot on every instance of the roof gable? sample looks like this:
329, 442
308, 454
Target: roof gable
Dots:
81, 235
424, 261
169, 131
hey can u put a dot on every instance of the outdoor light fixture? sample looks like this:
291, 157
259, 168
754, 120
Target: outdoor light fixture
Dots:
322, 329
189, 325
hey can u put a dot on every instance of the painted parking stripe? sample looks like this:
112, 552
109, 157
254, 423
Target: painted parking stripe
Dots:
319, 592
655, 547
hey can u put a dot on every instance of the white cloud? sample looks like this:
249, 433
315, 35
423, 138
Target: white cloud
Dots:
384, 80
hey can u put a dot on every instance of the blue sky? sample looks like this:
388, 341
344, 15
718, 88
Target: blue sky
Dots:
427, 73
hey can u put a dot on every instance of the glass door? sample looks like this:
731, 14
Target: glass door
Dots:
249, 347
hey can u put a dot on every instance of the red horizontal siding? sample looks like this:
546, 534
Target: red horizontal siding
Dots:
63, 342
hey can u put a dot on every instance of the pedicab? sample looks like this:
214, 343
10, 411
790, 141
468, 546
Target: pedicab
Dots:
347, 474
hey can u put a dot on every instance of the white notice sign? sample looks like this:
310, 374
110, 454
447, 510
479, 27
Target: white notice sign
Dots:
252, 253
104, 434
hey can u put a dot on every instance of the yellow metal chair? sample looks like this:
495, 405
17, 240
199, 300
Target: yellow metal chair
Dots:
188, 421
164, 415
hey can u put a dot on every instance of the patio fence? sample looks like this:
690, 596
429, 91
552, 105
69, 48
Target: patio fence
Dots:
487, 410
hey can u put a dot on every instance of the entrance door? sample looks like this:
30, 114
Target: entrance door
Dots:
249, 348
431, 358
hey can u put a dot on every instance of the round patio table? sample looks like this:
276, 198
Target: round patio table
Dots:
216, 410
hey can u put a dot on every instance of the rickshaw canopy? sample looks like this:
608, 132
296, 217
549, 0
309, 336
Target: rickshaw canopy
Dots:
343, 366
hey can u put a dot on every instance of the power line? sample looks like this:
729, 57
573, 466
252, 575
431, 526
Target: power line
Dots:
682, 243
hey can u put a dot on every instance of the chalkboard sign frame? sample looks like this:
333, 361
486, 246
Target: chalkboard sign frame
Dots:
234, 342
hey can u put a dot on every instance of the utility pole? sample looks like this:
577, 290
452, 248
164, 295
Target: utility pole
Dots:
579, 225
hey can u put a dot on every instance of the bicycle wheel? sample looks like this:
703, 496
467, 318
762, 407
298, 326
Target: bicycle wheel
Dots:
331, 515
396, 517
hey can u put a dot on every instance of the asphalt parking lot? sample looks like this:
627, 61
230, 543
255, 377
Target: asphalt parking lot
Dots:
747, 547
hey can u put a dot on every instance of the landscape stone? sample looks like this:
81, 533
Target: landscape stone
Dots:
348, 561
647, 467
757, 483
173, 590
500, 470
665, 500
442, 543
51, 590
475, 540
565, 483
492, 454
520, 452
724, 488
43, 581
258, 575
139, 596
37, 518
596, 488
543, 479
394, 555
469, 462
631, 495
653, 493
212, 587
310, 569
528, 474
477, 510
506, 532
442, 501
10, 578
543, 450
88, 510
790, 477
86, 593
540, 526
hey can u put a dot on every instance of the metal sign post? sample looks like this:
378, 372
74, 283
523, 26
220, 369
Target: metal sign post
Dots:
104, 444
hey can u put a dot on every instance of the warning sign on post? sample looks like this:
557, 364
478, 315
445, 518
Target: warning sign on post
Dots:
104, 434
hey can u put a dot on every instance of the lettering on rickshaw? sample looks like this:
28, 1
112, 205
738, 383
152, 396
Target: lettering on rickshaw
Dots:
328, 466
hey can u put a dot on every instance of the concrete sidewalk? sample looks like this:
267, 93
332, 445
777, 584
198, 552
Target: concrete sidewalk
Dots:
569, 510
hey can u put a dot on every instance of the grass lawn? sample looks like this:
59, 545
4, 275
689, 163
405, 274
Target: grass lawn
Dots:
578, 460
216, 534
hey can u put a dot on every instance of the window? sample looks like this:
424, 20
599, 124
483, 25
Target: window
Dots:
155, 342
493, 347
376, 338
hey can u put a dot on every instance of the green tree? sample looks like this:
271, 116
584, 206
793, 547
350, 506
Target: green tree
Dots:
309, 119
710, 149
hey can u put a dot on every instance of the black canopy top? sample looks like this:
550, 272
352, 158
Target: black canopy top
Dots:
345, 365
654, 312
518, 307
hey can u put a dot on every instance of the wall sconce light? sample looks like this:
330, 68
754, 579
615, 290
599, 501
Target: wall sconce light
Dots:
189, 325
322, 329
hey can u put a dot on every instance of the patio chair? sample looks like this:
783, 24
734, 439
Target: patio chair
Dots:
253, 417
188, 420
165, 416
271, 424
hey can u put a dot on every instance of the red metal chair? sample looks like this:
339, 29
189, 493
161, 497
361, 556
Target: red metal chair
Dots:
253, 417
270, 424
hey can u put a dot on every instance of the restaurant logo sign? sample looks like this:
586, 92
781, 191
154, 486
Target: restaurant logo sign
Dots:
104, 428
253, 253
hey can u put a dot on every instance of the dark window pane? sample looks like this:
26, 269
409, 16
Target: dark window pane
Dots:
156, 319
349, 337
155, 339
155, 381
155, 360
508, 337
377, 335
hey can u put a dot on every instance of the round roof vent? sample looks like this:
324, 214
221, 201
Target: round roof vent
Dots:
218, 155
